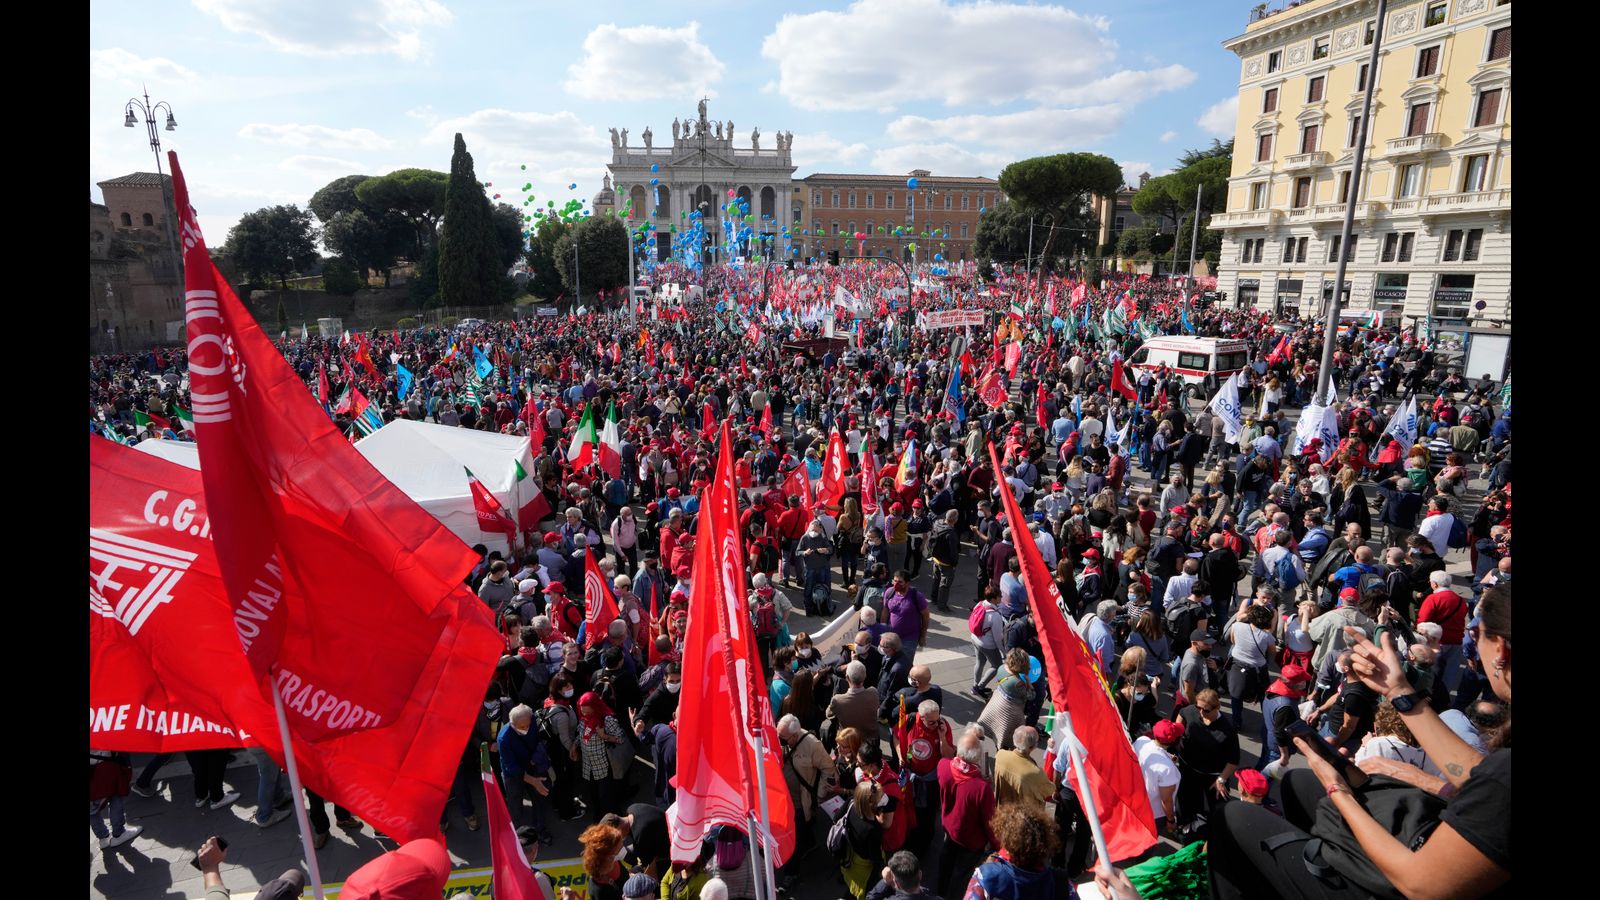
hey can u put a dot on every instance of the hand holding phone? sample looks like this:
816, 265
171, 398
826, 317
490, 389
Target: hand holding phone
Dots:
214, 850
1310, 740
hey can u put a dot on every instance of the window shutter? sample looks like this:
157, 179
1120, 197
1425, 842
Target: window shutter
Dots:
1308, 138
1419, 120
1488, 108
1500, 43
1269, 102
1263, 148
1428, 61
1315, 93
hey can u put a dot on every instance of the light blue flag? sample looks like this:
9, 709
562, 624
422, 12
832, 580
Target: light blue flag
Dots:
1184, 321
952, 396
405, 378
482, 364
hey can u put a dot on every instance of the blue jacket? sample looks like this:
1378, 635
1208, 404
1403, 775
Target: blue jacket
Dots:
521, 753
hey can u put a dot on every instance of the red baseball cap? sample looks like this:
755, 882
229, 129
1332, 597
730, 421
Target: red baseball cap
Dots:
1252, 783
1167, 731
417, 869
682, 571
551, 537
556, 587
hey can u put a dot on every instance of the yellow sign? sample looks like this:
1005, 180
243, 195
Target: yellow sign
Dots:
476, 882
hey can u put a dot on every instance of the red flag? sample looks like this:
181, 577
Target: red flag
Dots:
1119, 381
968, 364
297, 507
798, 485
1040, 415
513, 880
395, 772
1279, 353
708, 422
766, 421
724, 701
869, 484
990, 389
322, 384
600, 608
364, 357
832, 490
1013, 357
1077, 686
491, 515
744, 368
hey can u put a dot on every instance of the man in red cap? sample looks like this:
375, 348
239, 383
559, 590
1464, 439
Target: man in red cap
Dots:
1279, 709
1160, 770
566, 616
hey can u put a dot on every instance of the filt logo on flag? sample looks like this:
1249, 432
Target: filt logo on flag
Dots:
129, 578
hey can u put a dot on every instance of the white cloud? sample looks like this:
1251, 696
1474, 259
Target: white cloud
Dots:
315, 136
321, 164
117, 64
811, 150
1131, 171
1031, 131
1168, 137
558, 149
342, 28
670, 64
1127, 86
875, 54
940, 159
1220, 118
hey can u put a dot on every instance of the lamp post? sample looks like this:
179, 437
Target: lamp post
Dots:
129, 120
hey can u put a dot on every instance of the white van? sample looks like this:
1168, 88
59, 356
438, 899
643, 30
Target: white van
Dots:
1201, 363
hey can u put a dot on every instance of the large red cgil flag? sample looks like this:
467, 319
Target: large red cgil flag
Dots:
1076, 686
298, 518
724, 701
167, 671
1119, 380
600, 608
831, 491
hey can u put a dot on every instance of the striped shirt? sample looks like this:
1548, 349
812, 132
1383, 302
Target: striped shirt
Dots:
596, 759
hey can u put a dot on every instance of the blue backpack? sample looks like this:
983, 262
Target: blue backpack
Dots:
1285, 574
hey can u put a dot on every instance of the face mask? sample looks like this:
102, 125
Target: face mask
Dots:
490, 704
863, 649
567, 694
674, 686
1343, 670
1133, 598
807, 653
1205, 651
1138, 697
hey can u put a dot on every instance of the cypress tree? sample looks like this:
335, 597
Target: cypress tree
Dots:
469, 267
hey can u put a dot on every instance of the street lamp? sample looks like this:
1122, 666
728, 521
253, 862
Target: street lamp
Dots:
150, 118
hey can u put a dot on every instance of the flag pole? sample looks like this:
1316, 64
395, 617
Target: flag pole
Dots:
300, 816
1085, 797
765, 822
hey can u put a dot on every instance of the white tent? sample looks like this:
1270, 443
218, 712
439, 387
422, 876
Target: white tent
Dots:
426, 462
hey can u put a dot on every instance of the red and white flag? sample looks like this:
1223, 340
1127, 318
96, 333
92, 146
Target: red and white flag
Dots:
869, 484
831, 492
1078, 687
798, 485
765, 426
990, 389
298, 516
513, 879
491, 515
600, 607
724, 701
1119, 380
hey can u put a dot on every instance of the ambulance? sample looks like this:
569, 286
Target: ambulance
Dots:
1201, 363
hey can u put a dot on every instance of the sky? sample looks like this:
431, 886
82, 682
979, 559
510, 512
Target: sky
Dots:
275, 98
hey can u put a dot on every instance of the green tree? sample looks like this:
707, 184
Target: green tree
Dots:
1157, 202
469, 253
1169, 200
340, 278
416, 195
545, 282
1059, 189
424, 284
1002, 234
283, 316
507, 222
337, 196
273, 242
1146, 239
601, 259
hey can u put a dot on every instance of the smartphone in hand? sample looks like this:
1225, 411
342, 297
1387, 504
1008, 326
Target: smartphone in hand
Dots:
1352, 773
222, 843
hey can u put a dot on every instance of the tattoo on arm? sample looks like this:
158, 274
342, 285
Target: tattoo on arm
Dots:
1453, 768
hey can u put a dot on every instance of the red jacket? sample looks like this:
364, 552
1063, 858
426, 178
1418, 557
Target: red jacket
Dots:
1446, 607
966, 799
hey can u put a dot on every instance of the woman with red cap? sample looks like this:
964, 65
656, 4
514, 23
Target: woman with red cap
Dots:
601, 749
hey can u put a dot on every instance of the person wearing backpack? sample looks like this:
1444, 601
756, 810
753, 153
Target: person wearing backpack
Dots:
1445, 607
987, 630
525, 770
811, 777
1283, 567
767, 621
1441, 527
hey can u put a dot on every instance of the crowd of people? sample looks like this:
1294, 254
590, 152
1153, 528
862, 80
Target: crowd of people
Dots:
1307, 585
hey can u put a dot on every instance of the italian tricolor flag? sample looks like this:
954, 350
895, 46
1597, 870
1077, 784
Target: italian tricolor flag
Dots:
592, 446
145, 420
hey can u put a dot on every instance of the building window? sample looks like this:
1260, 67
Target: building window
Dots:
1314, 89
1417, 121
1390, 242
1488, 108
869, 199
1308, 138
946, 199
149, 219
1452, 245
835, 203
1288, 250
869, 227
964, 201
1405, 247
816, 198
852, 199
1260, 245
1300, 249
1500, 43
1475, 172
851, 230
835, 229
1333, 249
911, 204
1372, 32
1355, 131
1269, 100
1263, 147
1428, 61
888, 199
1361, 77
1390, 293
1473, 246
1410, 179
1453, 298
1302, 193
1320, 49
127, 220
1274, 61
1258, 196
1244, 250
1436, 13
964, 227
1344, 187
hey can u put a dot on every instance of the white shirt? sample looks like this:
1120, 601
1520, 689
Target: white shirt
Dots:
1179, 588
1437, 530
1296, 638
1159, 771
1250, 645
1047, 547
1390, 747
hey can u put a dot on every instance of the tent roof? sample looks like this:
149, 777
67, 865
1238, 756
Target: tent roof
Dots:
426, 460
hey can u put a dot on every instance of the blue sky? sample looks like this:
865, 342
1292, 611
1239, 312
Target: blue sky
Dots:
275, 99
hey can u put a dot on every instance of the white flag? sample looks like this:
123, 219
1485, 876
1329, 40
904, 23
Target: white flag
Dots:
1226, 405
1306, 428
1403, 427
1328, 430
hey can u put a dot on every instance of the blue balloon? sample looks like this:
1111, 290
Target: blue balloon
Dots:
654, 167
654, 182
983, 209
1034, 669
573, 186
911, 183
938, 258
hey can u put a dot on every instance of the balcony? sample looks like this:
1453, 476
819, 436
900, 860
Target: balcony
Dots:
1249, 218
1334, 212
1471, 201
1416, 144
1306, 160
